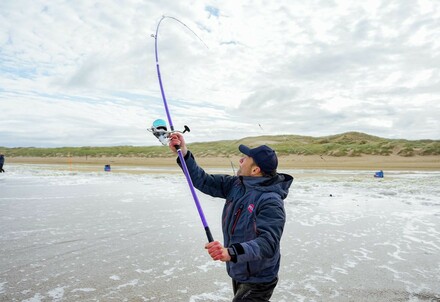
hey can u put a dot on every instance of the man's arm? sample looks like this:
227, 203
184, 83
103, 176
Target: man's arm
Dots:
216, 185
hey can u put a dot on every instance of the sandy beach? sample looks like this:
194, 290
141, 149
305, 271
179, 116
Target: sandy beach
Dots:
96, 236
368, 162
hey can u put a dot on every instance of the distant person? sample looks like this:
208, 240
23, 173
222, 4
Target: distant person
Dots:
253, 218
2, 162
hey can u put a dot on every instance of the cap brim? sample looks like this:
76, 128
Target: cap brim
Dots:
245, 150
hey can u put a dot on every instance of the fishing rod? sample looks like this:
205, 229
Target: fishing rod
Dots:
160, 130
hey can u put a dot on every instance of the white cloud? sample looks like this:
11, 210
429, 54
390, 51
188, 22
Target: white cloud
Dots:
84, 73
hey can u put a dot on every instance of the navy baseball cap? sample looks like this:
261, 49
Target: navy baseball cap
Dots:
264, 157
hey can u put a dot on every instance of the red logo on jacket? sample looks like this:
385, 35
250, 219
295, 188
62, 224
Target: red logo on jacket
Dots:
251, 208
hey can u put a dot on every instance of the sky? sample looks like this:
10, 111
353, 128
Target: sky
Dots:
83, 73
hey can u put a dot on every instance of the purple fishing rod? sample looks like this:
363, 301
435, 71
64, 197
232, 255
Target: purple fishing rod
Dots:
170, 122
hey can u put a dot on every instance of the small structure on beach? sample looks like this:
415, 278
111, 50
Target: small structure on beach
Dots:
379, 174
107, 168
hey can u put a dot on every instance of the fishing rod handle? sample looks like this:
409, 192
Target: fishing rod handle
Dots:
208, 234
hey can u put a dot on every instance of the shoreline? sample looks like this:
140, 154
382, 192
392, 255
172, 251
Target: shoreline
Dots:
366, 162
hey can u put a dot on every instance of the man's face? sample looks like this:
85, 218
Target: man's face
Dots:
247, 167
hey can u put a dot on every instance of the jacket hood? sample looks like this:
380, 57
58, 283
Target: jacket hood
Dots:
279, 184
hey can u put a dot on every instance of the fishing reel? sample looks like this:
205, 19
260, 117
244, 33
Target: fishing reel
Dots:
160, 131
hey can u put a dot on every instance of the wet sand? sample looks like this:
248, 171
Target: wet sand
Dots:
87, 236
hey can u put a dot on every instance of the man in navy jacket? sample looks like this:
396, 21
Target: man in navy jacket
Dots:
253, 218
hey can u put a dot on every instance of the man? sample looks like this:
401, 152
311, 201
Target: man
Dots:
2, 162
253, 218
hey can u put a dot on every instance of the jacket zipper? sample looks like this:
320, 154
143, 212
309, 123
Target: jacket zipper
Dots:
237, 216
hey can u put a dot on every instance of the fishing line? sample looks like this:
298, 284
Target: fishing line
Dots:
159, 128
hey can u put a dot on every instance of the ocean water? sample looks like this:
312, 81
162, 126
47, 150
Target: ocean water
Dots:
68, 235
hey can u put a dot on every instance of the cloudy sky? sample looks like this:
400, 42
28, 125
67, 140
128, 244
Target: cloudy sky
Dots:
83, 73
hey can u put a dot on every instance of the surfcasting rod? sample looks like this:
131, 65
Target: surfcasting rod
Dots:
170, 122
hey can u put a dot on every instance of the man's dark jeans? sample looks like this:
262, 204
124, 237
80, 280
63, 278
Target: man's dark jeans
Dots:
253, 292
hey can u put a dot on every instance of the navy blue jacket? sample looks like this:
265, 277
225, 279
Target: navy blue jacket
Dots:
253, 219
